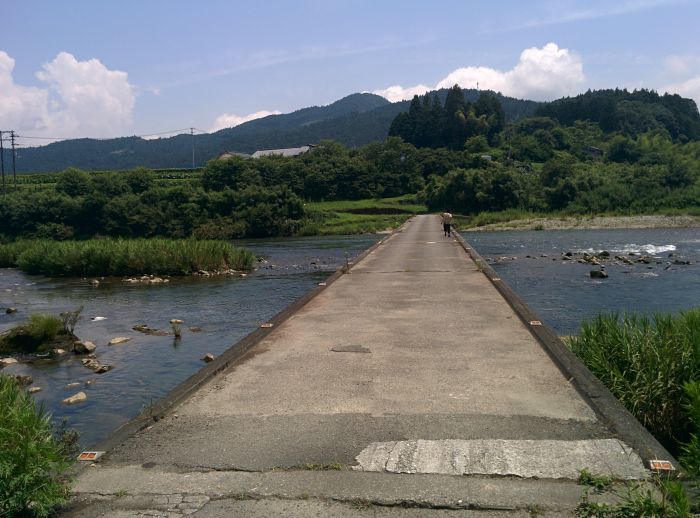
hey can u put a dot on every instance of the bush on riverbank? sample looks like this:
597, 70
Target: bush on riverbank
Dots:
32, 459
102, 257
647, 363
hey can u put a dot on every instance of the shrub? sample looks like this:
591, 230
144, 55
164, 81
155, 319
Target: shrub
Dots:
32, 460
95, 257
35, 335
645, 362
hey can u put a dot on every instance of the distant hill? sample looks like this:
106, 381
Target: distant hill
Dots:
355, 120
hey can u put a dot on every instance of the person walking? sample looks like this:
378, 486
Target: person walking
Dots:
447, 223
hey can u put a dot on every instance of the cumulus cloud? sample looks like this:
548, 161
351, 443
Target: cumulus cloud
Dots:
688, 88
541, 74
80, 98
228, 120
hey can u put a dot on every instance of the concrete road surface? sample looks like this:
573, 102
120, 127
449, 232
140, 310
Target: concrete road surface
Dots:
408, 381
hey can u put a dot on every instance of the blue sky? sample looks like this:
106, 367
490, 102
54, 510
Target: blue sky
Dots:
100, 69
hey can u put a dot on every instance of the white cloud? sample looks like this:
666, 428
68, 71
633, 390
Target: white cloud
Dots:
228, 120
80, 98
399, 93
541, 74
681, 63
689, 88
20, 106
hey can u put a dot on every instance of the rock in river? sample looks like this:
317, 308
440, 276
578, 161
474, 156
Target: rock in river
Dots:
7, 361
24, 380
84, 347
119, 340
75, 398
599, 274
96, 366
209, 357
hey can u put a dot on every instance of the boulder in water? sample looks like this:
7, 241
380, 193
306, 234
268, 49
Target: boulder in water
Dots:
85, 347
599, 274
75, 398
119, 340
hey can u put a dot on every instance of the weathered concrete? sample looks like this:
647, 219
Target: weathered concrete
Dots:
520, 458
135, 487
415, 344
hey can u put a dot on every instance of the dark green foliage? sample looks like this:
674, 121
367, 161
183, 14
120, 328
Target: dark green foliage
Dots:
645, 362
353, 121
98, 257
38, 334
631, 113
429, 124
33, 461
691, 451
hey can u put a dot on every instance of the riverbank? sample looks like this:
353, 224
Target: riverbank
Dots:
585, 223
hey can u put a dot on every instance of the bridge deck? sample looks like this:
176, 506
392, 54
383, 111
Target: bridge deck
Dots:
412, 363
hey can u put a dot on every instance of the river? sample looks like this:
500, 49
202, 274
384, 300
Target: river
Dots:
563, 293
147, 367
227, 309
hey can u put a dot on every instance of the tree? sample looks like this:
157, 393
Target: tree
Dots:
74, 182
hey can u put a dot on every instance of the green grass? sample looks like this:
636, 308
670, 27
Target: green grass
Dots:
359, 216
646, 362
33, 461
512, 215
103, 257
38, 334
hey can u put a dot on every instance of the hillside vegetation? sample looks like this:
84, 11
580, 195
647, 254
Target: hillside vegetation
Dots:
353, 121
471, 160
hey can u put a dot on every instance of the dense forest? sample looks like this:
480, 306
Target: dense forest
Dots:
353, 121
470, 159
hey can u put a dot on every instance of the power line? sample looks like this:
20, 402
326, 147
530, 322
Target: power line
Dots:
176, 131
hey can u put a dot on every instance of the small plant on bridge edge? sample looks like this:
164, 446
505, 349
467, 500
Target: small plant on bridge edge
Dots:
658, 498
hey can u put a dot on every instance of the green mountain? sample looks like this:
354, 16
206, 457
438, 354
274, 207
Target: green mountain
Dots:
355, 120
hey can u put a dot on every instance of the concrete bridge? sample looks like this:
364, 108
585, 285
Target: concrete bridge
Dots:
416, 384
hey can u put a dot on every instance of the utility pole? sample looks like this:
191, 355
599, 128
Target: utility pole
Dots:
192, 133
2, 164
14, 171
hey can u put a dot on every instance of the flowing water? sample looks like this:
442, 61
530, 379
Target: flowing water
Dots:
563, 293
147, 367
227, 309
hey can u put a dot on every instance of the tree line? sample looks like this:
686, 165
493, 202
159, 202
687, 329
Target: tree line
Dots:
468, 160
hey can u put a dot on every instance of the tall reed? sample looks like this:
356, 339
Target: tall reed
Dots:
645, 361
124, 256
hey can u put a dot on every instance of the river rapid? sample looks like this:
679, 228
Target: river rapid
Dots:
563, 293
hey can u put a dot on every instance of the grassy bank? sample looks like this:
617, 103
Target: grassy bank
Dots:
359, 216
516, 219
33, 459
652, 365
105, 257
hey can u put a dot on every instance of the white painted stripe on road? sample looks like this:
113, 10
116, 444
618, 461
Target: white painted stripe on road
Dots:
521, 458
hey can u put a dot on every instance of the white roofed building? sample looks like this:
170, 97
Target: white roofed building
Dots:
291, 151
